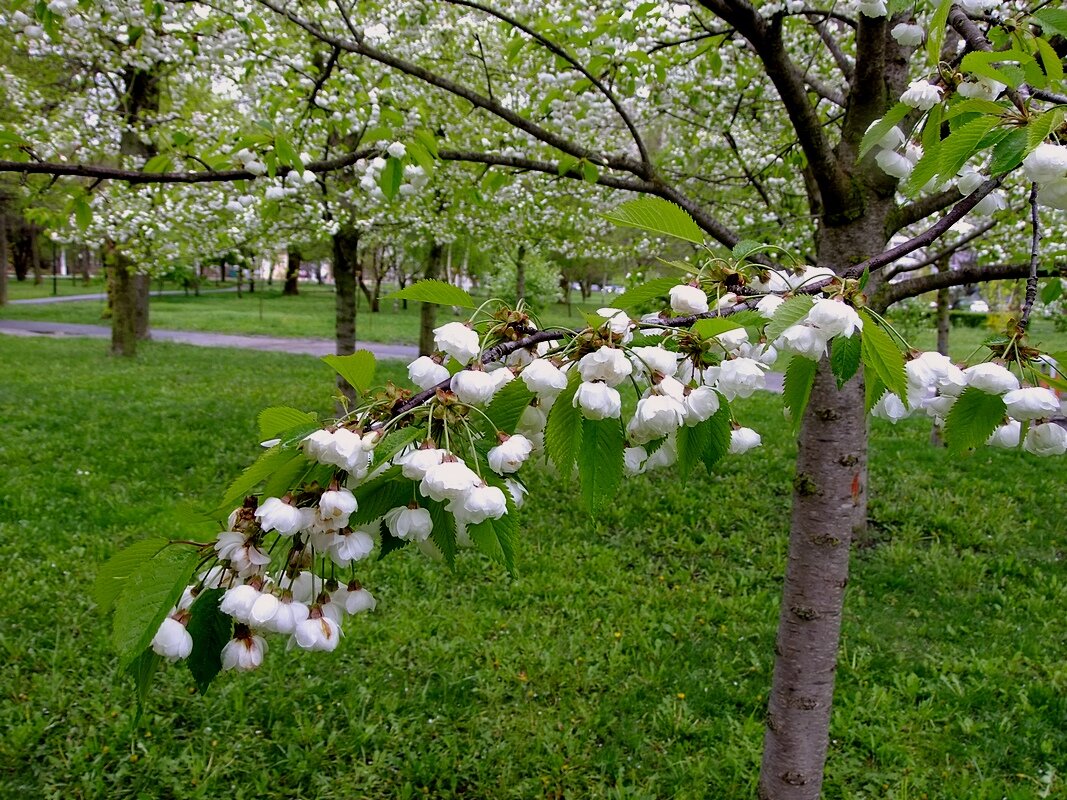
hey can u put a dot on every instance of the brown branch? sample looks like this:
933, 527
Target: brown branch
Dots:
920, 209
558, 50
1035, 244
891, 293
766, 38
844, 63
944, 252
976, 40
136, 176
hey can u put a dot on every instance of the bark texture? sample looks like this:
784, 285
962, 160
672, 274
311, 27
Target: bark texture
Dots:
3, 254
345, 248
428, 311
141, 284
121, 294
292, 273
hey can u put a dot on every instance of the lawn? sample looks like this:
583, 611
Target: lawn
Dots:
627, 658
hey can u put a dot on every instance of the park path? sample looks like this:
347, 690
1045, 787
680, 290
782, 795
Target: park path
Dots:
73, 298
273, 344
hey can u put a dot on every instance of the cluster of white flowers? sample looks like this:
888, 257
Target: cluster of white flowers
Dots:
1047, 166
414, 176
935, 384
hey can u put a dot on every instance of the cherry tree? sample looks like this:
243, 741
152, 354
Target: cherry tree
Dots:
786, 144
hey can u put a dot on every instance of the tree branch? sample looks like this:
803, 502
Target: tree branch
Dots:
891, 293
844, 63
1035, 244
976, 40
944, 252
920, 209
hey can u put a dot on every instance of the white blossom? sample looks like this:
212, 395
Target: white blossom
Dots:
700, 404
1046, 439
655, 359
510, 454
172, 640
907, 35
275, 514
656, 416
409, 523
606, 364
1047, 162
317, 633
686, 299
424, 372
744, 439
244, 653
834, 318
415, 463
597, 401
1032, 402
457, 340
480, 503
543, 378
922, 95
448, 480
473, 387
1006, 436
740, 377
991, 378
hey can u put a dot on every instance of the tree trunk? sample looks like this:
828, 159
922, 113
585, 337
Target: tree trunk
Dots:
141, 285
428, 311
943, 302
122, 300
85, 260
35, 256
520, 274
292, 273
345, 249
829, 508
3, 256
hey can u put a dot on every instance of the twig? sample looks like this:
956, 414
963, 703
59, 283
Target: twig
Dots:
1035, 242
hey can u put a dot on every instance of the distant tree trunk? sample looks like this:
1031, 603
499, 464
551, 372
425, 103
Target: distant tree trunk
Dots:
3, 254
141, 284
943, 301
565, 287
585, 286
292, 273
121, 299
520, 274
85, 261
20, 249
428, 311
345, 254
35, 256
240, 280
379, 275
401, 282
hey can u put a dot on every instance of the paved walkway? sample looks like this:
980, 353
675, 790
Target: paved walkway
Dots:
274, 344
100, 296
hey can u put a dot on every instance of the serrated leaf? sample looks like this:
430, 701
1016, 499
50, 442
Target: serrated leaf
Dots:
973, 418
160, 163
389, 543
375, 497
882, 126
143, 670
845, 357
873, 388
799, 378
1052, 21
210, 629
149, 594
444, 530
600, 461
693, 443
1008, 152
925, 170
974, 105
277, 419
935, 35
718, 443
709, 328
427, 139
788, 314
658, 216
495, 538
357, 368
255, 474
879, 352
113, 575
962, 143
1041, 126
1050, 60
434, 291
645, 293
744, 249
563, 431
394, 442
279, 482
507, 406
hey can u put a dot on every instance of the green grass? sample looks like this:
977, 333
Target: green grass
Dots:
64, 286
629, 656
268, 312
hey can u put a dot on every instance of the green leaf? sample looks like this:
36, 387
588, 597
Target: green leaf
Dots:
265, 465
279, 482
379, 496
1009, 152
1053, 21
113, 575
973, 418
645, 293
286, 153
658, 216
143, 670
160, 163
962, 143
277, 419
799, 378
83, 212
788, 314
427, 139
845, 357
1051, 291
1040, 127
444, 530
881, 354
600, 461
974, 105
935, 31
210, 629
882, 126
926, 169
710, 328
357, 368
149, 594
718, 442
507, 406
1050, 60
435, 291
589, 172
391, 178
496, 537
744, 249
10, 139
563, 431
394, 442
